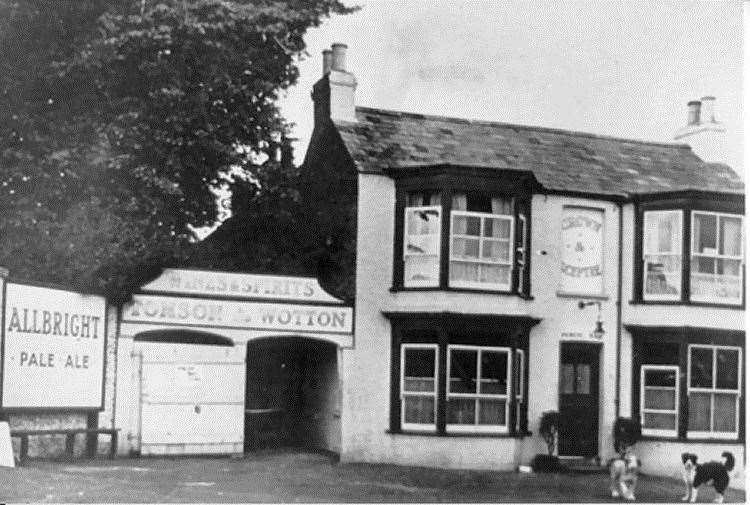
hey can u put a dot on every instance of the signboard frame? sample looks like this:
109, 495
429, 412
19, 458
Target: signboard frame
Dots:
105, 342
562, 289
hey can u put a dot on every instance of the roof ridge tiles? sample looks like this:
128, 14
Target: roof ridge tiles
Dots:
483, 122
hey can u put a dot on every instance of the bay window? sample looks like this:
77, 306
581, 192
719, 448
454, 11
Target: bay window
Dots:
660, 397
478, 388
687, 382
418, 386
713, 391
716, 258
462, 240
458, 375
662, 255
481, 247
691, 256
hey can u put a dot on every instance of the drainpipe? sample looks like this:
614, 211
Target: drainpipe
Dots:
618, 305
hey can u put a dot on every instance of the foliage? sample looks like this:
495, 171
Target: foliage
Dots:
118, 118
625, 433
548, 429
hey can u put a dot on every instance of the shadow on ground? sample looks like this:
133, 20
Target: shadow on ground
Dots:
293, 476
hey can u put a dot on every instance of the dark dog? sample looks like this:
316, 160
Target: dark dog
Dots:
695, 475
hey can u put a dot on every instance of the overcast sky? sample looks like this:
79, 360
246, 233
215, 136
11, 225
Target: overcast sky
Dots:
621, 68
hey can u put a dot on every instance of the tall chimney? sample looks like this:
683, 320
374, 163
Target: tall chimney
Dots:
707, 109
339, 57
694, 112
333, 95
327, 61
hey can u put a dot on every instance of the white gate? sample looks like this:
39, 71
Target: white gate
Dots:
191, 398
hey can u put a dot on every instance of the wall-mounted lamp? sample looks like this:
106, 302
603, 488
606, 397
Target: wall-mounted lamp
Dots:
598, 332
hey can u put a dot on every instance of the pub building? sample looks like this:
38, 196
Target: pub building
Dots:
507, 270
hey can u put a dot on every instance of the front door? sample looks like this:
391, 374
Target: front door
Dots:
579, 400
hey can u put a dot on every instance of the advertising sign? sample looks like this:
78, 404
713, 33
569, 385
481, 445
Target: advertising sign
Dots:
581, 253
234, 314
239, 285
53, 348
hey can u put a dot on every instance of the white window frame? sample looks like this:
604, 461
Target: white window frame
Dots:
679, 252
717, 256
405, 394
511, 247
713, 390
479, 428
412, 283
654, 431
519, 393
523, 230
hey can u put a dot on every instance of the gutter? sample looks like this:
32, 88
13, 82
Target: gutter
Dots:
618, 305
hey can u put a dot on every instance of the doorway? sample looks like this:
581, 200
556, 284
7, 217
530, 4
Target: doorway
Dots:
292, 394
579, 400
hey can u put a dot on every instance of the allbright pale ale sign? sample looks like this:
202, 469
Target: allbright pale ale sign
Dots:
53, 348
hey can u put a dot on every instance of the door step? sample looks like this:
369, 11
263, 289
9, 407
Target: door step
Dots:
583, 465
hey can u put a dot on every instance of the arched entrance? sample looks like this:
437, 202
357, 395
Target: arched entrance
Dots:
293, 396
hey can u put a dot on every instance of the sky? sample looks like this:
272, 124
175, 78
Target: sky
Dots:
620, 68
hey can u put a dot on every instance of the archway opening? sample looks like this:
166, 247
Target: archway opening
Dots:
292, 394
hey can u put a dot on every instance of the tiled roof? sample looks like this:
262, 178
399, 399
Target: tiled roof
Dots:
560, 160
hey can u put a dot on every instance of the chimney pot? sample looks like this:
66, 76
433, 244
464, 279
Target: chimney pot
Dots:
707, 109
339, 57
694, 112
327, 62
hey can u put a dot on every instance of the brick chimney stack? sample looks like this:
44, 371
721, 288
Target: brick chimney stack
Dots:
703, 132
333, 94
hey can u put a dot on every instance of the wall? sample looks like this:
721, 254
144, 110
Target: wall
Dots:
367, 366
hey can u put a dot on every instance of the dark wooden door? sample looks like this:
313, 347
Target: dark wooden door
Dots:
579, 400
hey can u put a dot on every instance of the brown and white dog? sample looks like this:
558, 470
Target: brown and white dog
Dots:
623, 476
713, 471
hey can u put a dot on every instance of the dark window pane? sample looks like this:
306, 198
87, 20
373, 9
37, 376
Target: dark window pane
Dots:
461, 411
463, 372
583, 379
492, 412
725, 413
659, 421
727, 369
660, 378
494, 373
419, 363
419, 410
699, 412
659, 399
701, 368
567, 379
704, 234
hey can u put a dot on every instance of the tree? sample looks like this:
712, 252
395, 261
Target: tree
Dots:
118, 118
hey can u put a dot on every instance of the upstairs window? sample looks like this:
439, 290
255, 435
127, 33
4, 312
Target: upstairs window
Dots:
691, 256
422, 240
662, 255
481, 250
716, 258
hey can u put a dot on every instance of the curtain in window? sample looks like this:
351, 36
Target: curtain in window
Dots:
502, 206
662, 257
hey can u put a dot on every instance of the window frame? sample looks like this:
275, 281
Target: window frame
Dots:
405, 252
680, 253
477, 396
685, 201
403, 393
713, 391
448, 180
741, 258
479, 261
643, 410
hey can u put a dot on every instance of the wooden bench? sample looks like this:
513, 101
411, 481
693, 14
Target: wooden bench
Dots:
70, 438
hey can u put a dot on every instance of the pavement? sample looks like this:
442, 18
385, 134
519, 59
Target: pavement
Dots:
295, 476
